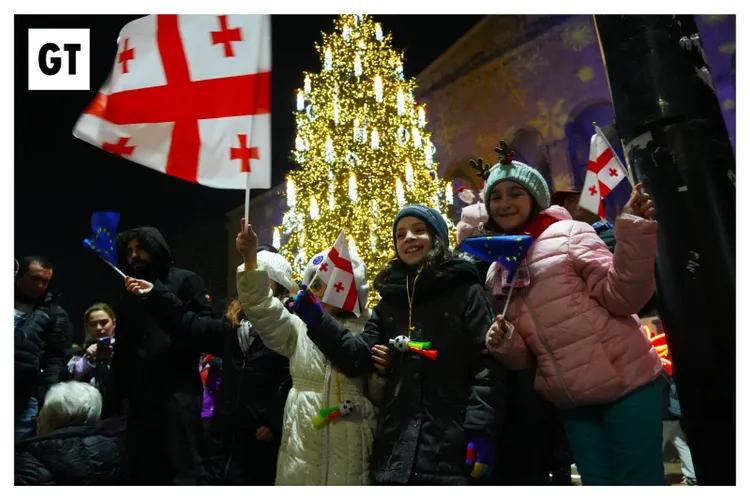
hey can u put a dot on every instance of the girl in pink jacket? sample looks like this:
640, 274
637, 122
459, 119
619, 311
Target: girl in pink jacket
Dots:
572, 316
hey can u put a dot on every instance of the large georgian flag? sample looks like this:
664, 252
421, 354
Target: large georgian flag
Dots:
604, 173
189, 96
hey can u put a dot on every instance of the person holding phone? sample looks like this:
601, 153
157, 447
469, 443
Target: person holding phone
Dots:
93, 365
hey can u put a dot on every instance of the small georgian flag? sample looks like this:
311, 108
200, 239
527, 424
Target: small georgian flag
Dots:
604, 173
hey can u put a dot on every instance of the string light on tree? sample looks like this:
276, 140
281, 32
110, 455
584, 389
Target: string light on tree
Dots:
421, 119
359, 85
378, 88
328, 64
300, 100
308, 84
449, 193
276, 238
409, 176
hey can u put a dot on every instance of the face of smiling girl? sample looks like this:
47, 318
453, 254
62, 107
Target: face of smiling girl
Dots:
413, 240
510, 206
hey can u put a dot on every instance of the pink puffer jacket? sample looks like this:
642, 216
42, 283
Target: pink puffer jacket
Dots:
576, 320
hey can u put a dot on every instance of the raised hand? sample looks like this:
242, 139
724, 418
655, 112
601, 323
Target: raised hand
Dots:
138, 287
639, 204
247, 246
307, 306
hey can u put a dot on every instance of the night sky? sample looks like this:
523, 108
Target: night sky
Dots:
60, 180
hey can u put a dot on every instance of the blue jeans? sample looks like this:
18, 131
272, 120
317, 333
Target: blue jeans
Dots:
26, 421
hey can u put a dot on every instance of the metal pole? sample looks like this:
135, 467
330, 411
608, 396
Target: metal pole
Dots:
676, 142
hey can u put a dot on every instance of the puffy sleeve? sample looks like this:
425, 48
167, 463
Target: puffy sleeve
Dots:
624, 282
278, 328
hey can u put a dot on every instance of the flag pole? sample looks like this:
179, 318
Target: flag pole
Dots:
112, 266
606, 141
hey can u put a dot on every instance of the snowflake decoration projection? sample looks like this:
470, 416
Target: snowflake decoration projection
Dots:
728, 48
577, 37
585, 74
714, 19
447, 130
562, 181
525, 63
550, 120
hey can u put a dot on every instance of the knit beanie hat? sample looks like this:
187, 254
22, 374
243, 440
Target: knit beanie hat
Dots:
360, 275
508, 169
277, 267
429, 216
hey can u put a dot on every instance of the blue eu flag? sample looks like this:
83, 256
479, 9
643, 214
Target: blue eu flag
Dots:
508, 250
102, 239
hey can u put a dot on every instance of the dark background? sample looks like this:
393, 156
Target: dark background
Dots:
60, 180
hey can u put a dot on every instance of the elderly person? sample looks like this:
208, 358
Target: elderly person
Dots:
72, 447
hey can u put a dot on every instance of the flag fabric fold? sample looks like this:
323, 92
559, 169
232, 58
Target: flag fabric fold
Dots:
102, 239
338, 274
508, 250
189, 96
604, 173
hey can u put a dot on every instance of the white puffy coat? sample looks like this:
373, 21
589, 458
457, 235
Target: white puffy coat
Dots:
338, 453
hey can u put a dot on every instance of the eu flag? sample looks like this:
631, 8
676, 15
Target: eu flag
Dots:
508, 250
102, 239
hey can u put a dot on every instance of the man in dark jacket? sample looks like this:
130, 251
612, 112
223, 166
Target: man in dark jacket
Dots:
41, 340
154, 377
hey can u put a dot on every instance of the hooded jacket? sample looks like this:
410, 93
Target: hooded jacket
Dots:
156, 370
337, 453
576, 320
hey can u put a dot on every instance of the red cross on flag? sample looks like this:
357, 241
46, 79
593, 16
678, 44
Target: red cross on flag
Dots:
189, 96
341, 287
605, 172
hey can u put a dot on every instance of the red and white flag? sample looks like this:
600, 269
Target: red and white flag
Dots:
189, 96
341, 287
605, 172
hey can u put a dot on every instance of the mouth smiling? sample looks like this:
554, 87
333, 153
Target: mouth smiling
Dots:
413, 248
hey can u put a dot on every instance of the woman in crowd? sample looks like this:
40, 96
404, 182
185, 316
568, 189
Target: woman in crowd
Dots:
444, 397
329, 422
93, 365
572, 317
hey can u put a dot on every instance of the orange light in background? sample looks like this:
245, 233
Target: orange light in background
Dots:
659, 341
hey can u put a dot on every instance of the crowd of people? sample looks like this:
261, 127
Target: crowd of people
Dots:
288, 389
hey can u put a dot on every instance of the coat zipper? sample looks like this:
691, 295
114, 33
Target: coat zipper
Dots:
554, 360
327, 435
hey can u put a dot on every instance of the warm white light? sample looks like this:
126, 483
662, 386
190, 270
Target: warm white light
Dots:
449, 193
328, 64
330, 158
299, 144
400, 193
375, 144
357, 66
353, 188
421, 117
308, 85
378, 88
276, 238
331, 198
400, 104
417, 137
409, 176
378, 32
300, 100
291, 194
314, 212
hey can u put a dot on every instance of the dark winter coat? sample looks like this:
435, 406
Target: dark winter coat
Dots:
252, 393
75, 456
156, 370
41, 342
431, 408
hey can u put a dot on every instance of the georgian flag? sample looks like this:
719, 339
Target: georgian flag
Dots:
605, 172
189, 96
338, 274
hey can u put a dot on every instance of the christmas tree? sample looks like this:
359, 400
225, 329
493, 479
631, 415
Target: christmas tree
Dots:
362, 149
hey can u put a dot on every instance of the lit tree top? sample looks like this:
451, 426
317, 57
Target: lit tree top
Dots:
361, 146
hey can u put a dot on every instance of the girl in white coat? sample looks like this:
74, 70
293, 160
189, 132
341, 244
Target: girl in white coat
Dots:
336, 452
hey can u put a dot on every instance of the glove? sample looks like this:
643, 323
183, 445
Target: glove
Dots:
481, 454
307, 307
